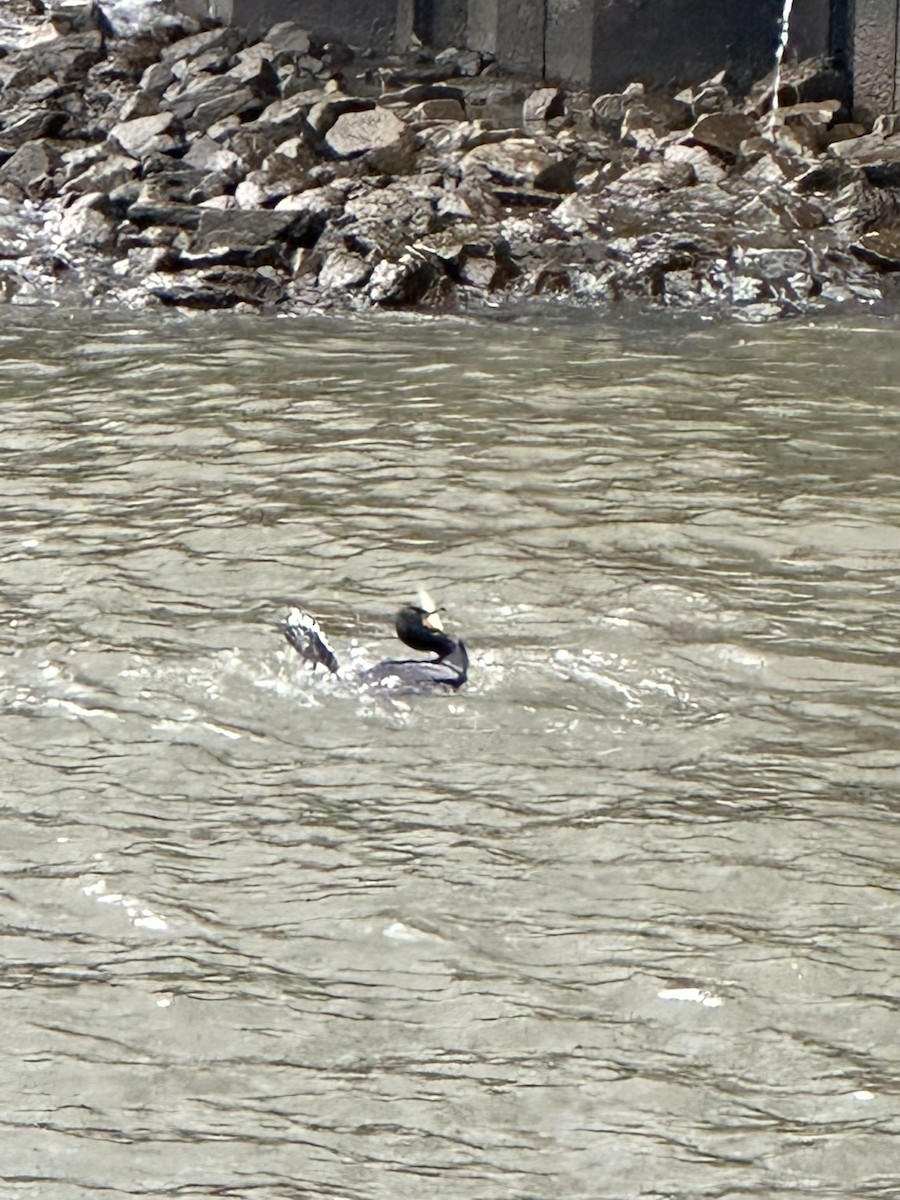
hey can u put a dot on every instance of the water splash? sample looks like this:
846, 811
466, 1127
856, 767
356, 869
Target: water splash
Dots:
779, 60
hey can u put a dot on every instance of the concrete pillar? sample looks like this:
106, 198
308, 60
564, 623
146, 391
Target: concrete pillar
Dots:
676, 42
874, 58
569, 41
810, 28
441, 22
511, 29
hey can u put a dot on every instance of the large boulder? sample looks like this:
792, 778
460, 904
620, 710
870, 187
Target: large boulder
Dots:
31, 169
357, 133
143, 136
249, 239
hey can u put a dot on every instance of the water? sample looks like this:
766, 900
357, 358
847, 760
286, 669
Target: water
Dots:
617, 920
783, 37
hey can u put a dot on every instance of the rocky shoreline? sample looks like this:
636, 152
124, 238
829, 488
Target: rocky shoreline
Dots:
179, 165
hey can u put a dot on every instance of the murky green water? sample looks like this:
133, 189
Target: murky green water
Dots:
618, 920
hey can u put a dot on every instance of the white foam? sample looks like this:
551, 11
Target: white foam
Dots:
691, 996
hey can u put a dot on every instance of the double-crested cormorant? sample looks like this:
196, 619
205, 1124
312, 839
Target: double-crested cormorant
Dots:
418, 626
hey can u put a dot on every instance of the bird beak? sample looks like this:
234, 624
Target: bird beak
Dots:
433, 619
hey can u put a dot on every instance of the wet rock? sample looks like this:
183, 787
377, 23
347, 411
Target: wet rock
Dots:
811, 79
86, 224
402, 283
217, 287
343, 271
249, 239
356, 133
880, 248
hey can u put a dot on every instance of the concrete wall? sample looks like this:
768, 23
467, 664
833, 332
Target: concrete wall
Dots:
511, 29
365, 23
874, 57
682, 41
604, 44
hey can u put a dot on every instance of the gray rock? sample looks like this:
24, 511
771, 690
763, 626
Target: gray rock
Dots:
544, 104
249, 239
722, 132
652, 111
706, 168
827, 176
356, 133
871, 147
323, 115
252, 142
289, 164
813, 114
608, 112
209, 155
89, 226
257, 74
160, 201
403, 282
144, 135
880, 248
156, 78
29, 124
103, 175
342, 271
200, 103
437, 110
218, 287
886, 124
514, 161
32, 167
289, 38
291, 113
224, 38
417, 93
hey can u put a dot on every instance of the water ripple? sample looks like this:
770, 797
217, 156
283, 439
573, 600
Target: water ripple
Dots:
618, 918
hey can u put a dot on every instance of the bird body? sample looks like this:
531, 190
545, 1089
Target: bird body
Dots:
418, 626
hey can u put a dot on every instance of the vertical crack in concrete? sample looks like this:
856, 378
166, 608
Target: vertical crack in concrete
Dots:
544, 40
